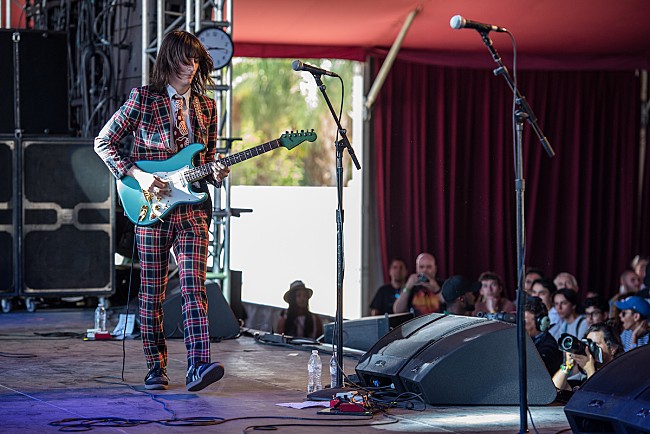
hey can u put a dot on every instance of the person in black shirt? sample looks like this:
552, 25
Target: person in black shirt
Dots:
537, 324
387, 294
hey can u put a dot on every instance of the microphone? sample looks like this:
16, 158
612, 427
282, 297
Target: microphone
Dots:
458, 22
297, 65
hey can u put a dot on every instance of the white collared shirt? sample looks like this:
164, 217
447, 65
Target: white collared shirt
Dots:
186, 110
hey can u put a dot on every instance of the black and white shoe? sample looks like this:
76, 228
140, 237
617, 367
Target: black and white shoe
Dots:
201, 375
156, 379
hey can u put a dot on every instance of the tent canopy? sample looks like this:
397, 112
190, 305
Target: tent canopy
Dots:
550, 34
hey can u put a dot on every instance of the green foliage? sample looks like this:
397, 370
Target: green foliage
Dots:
270, 98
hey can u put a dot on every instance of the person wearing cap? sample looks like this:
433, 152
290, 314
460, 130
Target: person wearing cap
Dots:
460, 293
298, 320
634, 319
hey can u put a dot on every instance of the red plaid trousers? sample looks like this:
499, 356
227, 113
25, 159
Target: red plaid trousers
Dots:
186, 231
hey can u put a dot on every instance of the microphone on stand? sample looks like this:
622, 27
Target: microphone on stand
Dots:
297, 65
458, 22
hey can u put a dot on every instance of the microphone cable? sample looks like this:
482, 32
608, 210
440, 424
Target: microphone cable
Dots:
128, 301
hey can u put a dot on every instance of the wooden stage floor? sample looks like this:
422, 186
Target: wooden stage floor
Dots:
49, 374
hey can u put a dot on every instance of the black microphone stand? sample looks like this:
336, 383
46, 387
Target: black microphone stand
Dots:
522, 112
341, 144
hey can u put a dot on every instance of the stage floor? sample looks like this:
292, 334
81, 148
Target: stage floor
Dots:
49, 374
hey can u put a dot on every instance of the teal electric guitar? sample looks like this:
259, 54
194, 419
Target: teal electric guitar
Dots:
144, 208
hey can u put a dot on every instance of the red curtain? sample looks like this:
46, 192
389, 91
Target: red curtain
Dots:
442, 145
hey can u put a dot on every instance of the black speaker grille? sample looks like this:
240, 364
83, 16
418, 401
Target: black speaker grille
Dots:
65, 173
89, 216
6, 171
67, 259
7, 120
6, 262
67, 244
6, 216
41, 217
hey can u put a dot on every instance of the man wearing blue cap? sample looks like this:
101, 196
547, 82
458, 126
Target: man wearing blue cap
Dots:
634, 315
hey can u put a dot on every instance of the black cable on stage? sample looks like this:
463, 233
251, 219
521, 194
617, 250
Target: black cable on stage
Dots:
18, 356
128, 302
81, 424
74, 335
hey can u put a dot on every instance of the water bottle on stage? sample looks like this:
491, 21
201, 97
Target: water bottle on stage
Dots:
314, 370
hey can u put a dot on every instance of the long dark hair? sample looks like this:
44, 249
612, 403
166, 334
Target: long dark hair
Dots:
294, 312
177, 48
610, 336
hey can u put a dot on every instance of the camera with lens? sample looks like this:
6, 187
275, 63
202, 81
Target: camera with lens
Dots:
422, 278
571, 344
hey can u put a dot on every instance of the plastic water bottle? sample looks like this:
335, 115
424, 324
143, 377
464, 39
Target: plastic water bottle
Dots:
100, 317
333, 370
314, 369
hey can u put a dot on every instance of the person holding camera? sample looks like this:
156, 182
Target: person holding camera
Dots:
422, 291
600, 346
634, 314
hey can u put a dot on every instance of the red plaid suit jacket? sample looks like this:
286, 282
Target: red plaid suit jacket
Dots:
147, 115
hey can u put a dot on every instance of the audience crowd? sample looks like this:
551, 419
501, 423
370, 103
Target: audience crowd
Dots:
553, 308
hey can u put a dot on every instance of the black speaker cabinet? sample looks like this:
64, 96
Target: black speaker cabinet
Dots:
7, 217
456, 360
222, 321
35, 62
362, 334
67, 204
616, 399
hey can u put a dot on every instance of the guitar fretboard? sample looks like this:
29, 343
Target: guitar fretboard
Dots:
204, 170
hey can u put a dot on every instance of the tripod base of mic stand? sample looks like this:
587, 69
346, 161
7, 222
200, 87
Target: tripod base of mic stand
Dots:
329, 393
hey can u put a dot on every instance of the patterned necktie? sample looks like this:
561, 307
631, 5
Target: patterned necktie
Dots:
181, 136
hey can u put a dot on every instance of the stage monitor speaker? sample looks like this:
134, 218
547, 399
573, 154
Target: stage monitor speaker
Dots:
362, 334
221, 319
67, 203
616, 399
456, 360
7, 209
42, 70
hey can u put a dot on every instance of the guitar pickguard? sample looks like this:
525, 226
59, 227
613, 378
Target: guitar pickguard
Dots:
180, 193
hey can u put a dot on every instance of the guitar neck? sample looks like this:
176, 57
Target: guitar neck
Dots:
204, 170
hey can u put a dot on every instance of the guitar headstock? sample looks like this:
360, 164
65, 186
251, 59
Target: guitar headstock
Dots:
291, 139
